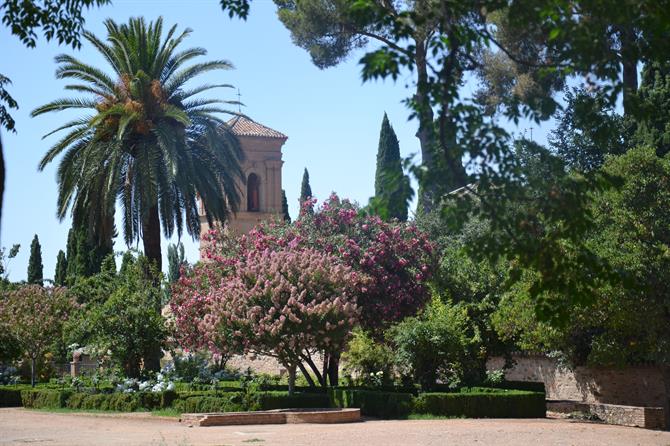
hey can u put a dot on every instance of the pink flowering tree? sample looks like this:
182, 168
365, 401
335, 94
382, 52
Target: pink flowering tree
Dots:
33, 316
287, 304
392, 261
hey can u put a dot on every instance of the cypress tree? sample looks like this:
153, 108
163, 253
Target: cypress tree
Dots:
305, 191
60, 276
84, 256
108, 265
284, 207
35, 267
653, 102
392, 189
176, 258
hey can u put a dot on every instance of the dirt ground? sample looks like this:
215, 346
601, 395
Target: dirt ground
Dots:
21, 427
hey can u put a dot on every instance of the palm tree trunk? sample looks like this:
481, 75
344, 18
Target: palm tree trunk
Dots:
2, 178
151, 238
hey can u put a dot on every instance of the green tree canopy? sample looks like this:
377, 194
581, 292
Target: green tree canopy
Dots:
60, 275
653, 100
392, 188
151, 143
35, 267
284, 207
305, 192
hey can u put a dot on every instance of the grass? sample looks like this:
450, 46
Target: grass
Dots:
68, 410
427, 416
169, 412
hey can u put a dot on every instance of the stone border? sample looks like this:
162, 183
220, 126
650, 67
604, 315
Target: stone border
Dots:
634, 416
277, 416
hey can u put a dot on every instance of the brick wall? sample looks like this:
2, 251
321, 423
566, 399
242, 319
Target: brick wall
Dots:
632, 386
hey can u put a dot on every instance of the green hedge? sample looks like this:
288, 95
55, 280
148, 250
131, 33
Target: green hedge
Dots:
10, 397
473, 404
122, 402
531, 386
282, 400
230, 402
44, 399
372, 403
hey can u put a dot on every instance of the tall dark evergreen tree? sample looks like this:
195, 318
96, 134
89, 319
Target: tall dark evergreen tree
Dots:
284, 207
653, 101
35, 267
392, 188
305, 191
176, 259
60, 276
84, 254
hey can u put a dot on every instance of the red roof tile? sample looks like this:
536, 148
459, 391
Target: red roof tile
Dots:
242, 126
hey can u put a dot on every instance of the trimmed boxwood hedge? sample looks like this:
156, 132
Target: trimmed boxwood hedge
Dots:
477, 404
122, 402
10, 397
229, 402
282, 400
470, 402
44, 399
372, 403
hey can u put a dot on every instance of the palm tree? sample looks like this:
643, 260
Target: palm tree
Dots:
148, 141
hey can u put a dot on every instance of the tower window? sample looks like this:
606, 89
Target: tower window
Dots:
253, 193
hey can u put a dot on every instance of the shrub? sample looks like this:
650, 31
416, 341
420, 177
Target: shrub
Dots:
230, 402
365, 358
44, 399
10, 397
122, 402
433, 345
372, 403
282, 400
479, 404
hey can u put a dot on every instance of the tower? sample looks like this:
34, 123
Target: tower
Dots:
261, 197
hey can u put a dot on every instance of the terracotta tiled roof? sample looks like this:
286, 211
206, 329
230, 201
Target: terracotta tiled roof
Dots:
242, 126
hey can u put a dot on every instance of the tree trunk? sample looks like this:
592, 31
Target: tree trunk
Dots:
629, 61
333, 369
151, 238
306, 374
2, 178
32, 371
291, 378
426, 131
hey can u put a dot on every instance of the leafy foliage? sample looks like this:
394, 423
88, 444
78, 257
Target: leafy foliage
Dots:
626, 323
284, 207
35, 267
392, 187
433, 345
653, 99
305, 193
366, 359
60, 275
150, 142
588, 130
33, 317
120, 316
287, 304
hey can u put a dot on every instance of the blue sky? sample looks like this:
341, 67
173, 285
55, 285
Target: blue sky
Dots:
331, 118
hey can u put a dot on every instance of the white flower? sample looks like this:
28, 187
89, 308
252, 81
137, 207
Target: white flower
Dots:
170, 386
143, 385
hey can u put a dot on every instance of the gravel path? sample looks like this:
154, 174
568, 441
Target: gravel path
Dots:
23, 427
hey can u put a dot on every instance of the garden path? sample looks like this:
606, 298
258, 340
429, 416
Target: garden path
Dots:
21, 427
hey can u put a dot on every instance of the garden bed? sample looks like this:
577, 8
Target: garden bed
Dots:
277, 416
389, 402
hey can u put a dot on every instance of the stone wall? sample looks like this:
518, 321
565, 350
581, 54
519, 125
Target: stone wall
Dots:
632, 386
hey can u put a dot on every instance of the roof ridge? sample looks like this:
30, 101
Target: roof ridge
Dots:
242, 125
